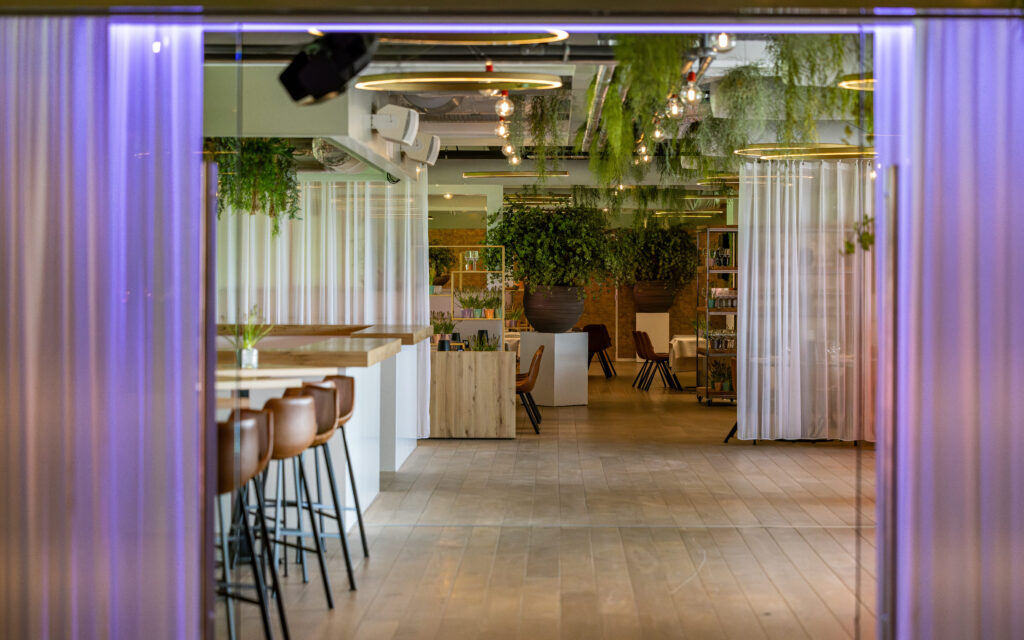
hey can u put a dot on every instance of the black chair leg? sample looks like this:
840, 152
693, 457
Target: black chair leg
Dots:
316, 535
611, 363
732, 432
226, 566
338, 506
533, 405
300, 550
261, 504
640, 373
261, 587
355, 494
529, 412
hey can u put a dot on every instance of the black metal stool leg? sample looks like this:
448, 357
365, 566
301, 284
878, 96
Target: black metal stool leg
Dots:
338, 510
300, 549
226, 566
355, 493
536, 409
316, 538
261, 587
261, 504
732, 432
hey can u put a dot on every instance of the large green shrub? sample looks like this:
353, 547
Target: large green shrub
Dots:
562, 246
654, 251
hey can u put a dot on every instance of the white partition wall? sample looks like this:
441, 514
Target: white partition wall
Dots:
101, 330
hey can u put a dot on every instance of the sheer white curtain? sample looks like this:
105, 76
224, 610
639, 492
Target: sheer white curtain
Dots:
959, 308
806, 340
101, 332
358, 255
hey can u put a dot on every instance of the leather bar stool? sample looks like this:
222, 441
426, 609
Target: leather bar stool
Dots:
295, 429
598, 340
236, 467
325, 401
346, 386
524, 389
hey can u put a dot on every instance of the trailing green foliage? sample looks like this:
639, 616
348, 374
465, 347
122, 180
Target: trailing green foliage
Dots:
653, 251
256, 175
441, 260
543, 119
565, 245
862, 235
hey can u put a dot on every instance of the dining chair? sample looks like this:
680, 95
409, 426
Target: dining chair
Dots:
524, 389
598, 340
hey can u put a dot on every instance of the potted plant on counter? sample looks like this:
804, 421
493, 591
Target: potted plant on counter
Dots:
443, 327
247, 336
657, 259
492, 304
555, 252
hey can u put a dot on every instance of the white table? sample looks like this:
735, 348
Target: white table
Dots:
682, 353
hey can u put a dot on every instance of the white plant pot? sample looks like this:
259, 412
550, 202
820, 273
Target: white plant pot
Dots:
249, 358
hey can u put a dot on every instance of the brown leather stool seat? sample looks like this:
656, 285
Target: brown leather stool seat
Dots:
524, 389
325, 401
295, 430
236, 467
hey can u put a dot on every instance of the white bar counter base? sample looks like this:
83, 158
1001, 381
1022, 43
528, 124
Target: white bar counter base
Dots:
656, 326
562, 380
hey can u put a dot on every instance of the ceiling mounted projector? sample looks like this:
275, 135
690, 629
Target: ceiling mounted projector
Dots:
396, 124
424, 149
323, 68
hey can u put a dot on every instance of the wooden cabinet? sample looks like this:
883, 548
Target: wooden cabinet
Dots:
472, 394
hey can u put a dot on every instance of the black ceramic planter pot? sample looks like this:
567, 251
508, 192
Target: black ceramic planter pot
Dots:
653, 296
444, 345
553, 309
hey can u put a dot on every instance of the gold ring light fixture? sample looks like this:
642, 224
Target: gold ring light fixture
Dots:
475, 39
459, 81
857, 82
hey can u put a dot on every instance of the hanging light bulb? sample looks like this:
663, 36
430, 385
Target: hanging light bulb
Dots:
674, 108
645, 158
514, 160
641, 148
723, 42
636, 161
621, 187
692, 93
502, 129
504, 107
658, 132
508, 149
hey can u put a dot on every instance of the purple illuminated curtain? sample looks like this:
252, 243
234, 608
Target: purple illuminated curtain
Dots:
100, 332
955, 452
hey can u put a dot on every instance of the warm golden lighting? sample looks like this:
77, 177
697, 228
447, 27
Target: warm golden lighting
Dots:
475, 39
821, 151
858, 82
458, 81
313, 31
448, 196
514, 174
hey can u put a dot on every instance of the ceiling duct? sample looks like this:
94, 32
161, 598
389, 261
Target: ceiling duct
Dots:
336, 159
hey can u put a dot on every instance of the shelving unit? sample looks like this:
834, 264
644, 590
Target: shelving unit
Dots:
468, 326
712, 276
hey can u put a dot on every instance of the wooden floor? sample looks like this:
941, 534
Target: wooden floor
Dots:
627, 518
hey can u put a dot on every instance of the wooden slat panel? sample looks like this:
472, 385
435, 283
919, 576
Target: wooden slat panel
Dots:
472, 394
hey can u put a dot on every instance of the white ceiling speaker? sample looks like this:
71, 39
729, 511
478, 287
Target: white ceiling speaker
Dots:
425, 149
396, 124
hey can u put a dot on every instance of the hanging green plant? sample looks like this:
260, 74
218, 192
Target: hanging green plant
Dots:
652, 250
256, 175
862, 235
543, 119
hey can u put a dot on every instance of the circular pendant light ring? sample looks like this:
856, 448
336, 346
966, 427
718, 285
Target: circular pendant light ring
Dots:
458, 81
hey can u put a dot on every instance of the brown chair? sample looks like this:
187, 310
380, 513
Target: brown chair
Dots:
524, 388
346, 386
598, 340
661, 362
236, 467
295, 430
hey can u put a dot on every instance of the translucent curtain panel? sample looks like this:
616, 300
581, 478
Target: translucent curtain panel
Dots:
958, 430
357, 256
101, 332
806, 354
